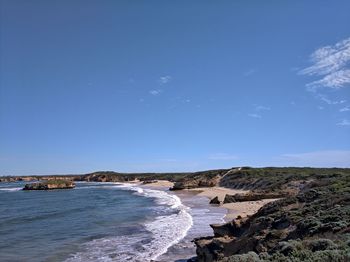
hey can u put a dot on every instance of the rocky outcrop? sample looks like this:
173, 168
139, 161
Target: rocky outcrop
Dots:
196, 183
228, 229
50, 184
252, 196
215, 201
145, 182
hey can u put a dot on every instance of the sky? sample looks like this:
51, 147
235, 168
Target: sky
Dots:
153, 86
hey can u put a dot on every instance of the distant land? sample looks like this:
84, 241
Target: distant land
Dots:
310, 221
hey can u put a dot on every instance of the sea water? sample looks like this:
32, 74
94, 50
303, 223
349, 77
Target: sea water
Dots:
98, 222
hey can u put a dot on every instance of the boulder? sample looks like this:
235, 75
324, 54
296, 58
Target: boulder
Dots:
228, 229
215, 201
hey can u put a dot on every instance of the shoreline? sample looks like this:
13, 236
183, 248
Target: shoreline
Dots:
233, 210
203, 215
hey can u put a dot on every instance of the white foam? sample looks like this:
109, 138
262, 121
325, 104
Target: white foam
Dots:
166, 230
11, 189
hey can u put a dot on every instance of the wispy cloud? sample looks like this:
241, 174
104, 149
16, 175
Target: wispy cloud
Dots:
155, 92
222, 156
164, 79
329, 101
258, 111
254, 115
344, 122
249, 72
344, 109
328, 158
262, 108
331, 63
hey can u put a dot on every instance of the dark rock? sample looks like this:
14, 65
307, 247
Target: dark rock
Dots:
252, 197
145, 182
215, 201
227, 229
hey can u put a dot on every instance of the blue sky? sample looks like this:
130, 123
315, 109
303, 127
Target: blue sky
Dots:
163, 85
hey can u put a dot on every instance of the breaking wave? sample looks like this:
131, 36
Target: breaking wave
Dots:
166, 230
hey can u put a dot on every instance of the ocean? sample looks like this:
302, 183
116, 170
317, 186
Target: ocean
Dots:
101, 222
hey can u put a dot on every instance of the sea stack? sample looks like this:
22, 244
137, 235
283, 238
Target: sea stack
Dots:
50, 184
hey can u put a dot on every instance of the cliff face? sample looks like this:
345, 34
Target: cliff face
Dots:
50, 184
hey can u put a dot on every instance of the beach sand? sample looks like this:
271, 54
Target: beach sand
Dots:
242, 209
220, 192
160, 183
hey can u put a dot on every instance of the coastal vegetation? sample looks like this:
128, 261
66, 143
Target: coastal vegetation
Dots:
310, 223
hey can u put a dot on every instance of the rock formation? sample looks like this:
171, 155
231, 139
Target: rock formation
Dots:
215, 201
252, 196
50, 184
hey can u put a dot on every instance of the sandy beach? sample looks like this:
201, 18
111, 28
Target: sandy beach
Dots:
220, 192
242, 209
160, 183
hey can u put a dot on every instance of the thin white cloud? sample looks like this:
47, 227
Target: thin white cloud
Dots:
344, 122
258, 111
262, 108
249, 72
254, 115
333, 80
155, 92
328, 101
222, 156
164, 79
344, 109
328, 158
331, 63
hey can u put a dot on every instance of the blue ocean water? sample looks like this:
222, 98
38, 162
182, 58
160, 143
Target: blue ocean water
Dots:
93, 222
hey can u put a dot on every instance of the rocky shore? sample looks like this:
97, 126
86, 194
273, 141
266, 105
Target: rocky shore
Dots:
306, 215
